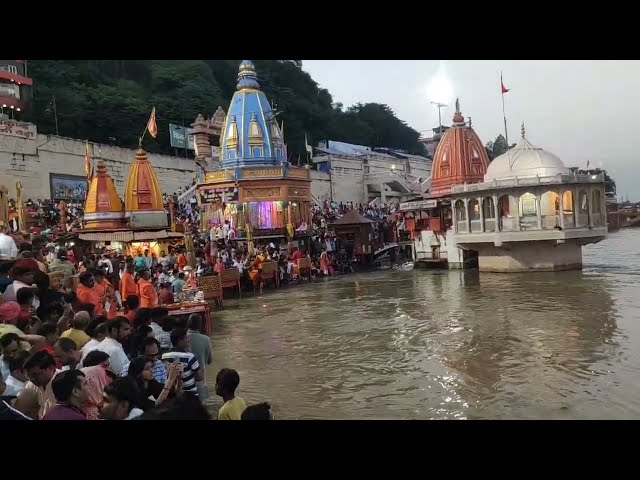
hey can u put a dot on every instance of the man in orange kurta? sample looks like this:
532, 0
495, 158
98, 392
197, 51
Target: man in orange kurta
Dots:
88, 293
105, 290
146, 292
127, 283
182, 261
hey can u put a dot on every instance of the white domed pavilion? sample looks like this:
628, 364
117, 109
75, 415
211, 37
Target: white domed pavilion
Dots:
530, 213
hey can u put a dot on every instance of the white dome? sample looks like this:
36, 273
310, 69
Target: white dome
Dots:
525, 160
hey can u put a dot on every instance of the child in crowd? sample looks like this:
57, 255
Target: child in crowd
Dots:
165, 336
227, 382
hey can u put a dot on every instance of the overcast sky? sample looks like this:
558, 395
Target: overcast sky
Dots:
579, 110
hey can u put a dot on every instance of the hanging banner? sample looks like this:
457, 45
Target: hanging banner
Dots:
223, 194
177, 135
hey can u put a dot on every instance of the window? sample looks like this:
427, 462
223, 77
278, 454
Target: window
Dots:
10, 68
256, 152
232, 153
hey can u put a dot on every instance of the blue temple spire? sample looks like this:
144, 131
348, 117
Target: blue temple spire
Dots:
251, 135
247, 77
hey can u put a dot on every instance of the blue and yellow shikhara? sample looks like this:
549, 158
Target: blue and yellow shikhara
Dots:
251, 135
253, 187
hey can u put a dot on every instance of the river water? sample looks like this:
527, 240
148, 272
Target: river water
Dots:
444, 344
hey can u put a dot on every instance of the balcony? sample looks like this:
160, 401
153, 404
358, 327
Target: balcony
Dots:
14, 77
6, 102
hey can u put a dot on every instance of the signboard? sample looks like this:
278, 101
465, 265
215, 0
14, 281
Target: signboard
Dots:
223, 194
18, 129
177, 135
68, 187
148, 220
418, 205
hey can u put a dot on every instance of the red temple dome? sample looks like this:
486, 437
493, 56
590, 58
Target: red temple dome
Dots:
459, 158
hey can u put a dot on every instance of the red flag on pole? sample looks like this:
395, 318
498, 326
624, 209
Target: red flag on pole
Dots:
152, 127
504, 89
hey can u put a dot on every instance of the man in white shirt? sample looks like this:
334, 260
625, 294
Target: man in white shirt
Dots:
18, 375
8, 247
22, 273
106, 264
117, 330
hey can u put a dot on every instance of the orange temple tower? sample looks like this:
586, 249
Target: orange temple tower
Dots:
143, 199
103, 207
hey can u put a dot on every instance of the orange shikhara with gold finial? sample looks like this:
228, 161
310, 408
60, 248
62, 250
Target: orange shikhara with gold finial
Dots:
103, 207
459, 158
142, 197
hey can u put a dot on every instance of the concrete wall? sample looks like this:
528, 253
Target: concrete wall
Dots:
31, 160
530, 256
349, 173
320, 186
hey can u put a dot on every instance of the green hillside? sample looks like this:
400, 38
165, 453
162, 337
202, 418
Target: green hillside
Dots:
109, 101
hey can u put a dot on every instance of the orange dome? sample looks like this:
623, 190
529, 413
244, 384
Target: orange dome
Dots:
459, 158
142, 195
103, 207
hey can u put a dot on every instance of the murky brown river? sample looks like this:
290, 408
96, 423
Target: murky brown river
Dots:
445, 344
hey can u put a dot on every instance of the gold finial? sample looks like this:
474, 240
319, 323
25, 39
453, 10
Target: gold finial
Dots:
457, 105
522, 129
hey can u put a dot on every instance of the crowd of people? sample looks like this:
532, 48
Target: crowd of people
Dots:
108, 348
84, 354
45, 215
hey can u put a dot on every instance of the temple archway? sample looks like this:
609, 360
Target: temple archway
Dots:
596, 209
461, 216
567, 207
528, 211
582, 219
489, 214
474, 215
550, 210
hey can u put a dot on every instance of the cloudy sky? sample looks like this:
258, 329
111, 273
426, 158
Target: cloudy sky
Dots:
580, 110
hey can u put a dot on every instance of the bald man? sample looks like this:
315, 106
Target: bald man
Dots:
77, 332
27, 403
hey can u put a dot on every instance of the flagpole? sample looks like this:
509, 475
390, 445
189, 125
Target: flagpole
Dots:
147, 126
504, 116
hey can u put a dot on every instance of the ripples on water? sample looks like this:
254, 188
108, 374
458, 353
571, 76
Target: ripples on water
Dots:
445, 344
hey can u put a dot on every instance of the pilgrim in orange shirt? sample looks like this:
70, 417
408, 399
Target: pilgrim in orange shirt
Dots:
91, 295
147, 294
105, 288
127, 286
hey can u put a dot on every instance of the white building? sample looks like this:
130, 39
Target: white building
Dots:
530, 213
354, 173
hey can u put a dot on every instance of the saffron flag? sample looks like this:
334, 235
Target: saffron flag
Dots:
87, 159
504, 89
152, 127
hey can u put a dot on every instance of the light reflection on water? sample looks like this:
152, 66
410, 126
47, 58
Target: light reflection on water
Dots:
444, 344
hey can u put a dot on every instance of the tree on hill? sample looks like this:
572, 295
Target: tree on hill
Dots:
110, 100
497, 147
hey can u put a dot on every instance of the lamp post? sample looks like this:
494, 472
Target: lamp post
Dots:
439, 106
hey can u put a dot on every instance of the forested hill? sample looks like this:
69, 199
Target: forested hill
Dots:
109, 101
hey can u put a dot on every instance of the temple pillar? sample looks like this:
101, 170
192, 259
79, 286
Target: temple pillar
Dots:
539, 210
466, 214
561, 203
497, 216
481, 207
